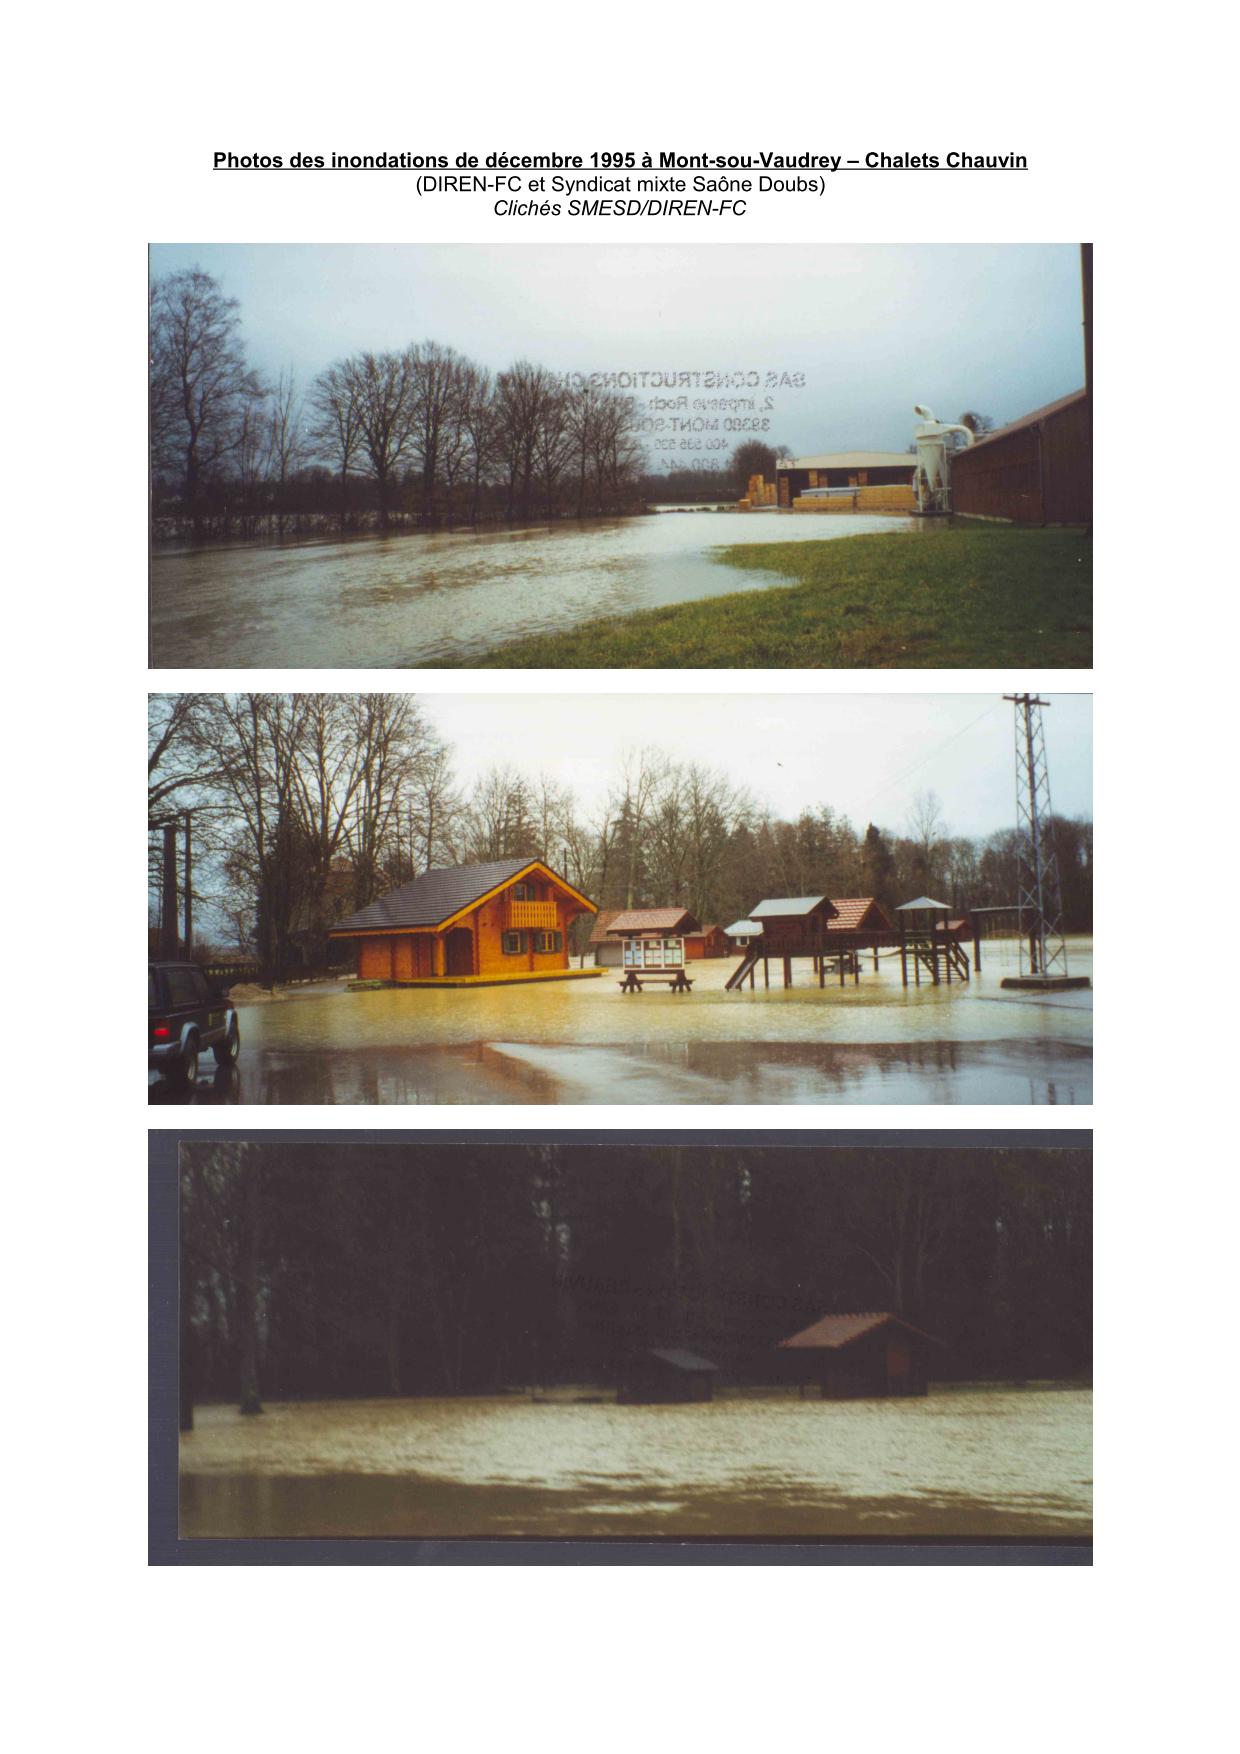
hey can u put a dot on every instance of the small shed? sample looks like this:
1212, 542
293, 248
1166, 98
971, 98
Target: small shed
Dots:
862, 1356
608, 952
741, 933
668, 1374
710, 941
653, 937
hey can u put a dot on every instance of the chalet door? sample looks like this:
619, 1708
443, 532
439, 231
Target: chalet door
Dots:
459, 951
899, 1364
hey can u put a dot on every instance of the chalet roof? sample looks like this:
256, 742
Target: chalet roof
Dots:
795, 907
744, 929
1025, 420
853, 460
601, 923
831, 1332
853, 912
653, 919
437, 896
680, 1358
702, 932
923, 904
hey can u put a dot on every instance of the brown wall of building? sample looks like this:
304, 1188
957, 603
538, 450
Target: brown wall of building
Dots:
1038, 474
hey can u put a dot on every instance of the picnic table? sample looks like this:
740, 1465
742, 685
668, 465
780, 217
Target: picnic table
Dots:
676, 979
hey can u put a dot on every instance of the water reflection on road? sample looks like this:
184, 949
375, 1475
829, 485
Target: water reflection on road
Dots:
423, 599
968, 1460
581, 1042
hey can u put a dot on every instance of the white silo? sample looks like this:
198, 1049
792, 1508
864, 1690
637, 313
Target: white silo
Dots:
933, 479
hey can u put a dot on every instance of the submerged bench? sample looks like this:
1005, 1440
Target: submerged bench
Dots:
677, 980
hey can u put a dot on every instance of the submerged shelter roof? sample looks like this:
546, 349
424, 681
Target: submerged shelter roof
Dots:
831, 1332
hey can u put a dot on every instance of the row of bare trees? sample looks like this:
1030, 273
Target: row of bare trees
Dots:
307, 806
420, 436
341, 1269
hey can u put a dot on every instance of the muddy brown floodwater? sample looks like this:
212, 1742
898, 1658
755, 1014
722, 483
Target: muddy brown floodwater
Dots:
968, 1460
391, 602
581, 1041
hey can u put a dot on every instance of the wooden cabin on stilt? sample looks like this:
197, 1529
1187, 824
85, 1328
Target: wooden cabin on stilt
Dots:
855, 1357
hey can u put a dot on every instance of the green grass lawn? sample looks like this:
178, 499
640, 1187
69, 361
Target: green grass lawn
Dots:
943, 596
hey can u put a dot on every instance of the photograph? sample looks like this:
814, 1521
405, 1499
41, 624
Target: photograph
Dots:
492, 456
750, 1337
620, 899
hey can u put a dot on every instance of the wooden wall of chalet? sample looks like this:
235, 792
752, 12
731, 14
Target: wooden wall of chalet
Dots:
1037, 474
475, 946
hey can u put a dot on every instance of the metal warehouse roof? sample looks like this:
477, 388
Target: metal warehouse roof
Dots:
791, 907
653, 919
682, 1359
834, 1331
436, 896
853, 460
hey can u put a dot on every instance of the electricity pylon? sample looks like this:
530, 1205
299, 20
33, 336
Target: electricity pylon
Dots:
1042, 951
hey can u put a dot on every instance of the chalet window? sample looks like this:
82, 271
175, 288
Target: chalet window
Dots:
523, 892
545, 942
516, 943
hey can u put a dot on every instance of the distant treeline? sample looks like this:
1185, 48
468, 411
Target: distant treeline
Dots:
307, 806
420, 437
336, 1270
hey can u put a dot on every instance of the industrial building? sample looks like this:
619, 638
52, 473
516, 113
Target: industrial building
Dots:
862, 481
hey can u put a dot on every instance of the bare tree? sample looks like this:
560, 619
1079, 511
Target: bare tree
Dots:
200, 384
336, 426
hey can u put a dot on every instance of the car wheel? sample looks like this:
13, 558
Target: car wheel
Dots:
184, 1072
227, 1050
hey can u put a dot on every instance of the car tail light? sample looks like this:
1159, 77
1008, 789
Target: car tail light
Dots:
161, 1031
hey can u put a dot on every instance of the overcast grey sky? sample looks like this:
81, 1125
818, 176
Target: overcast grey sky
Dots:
873, 327
866, 755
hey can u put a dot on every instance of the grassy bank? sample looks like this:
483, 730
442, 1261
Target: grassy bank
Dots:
945, 596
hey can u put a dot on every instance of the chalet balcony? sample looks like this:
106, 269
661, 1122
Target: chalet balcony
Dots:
536, 916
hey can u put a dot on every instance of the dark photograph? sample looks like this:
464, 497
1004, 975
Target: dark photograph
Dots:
791, 1341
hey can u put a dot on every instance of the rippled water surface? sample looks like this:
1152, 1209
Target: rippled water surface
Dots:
966, 1460
581, 1041
412, 600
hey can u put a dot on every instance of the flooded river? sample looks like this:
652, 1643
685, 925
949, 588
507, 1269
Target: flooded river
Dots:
968, 1460
581, 1041
390, 602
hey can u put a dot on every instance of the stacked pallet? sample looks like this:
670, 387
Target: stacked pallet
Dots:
761, 492
897, 498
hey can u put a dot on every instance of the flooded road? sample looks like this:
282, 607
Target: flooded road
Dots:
581, 1042
968, 1460
389, 602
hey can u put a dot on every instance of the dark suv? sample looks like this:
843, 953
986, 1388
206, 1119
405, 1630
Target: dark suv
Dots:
188, 1014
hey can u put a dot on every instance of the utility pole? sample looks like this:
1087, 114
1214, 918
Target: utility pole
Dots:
169, 910
1043, 953
189, 888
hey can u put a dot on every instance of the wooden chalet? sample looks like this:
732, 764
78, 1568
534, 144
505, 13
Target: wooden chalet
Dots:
790, 925
709, 941
864, 917
653, 937
469, 924
854, 1357
668, 1374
